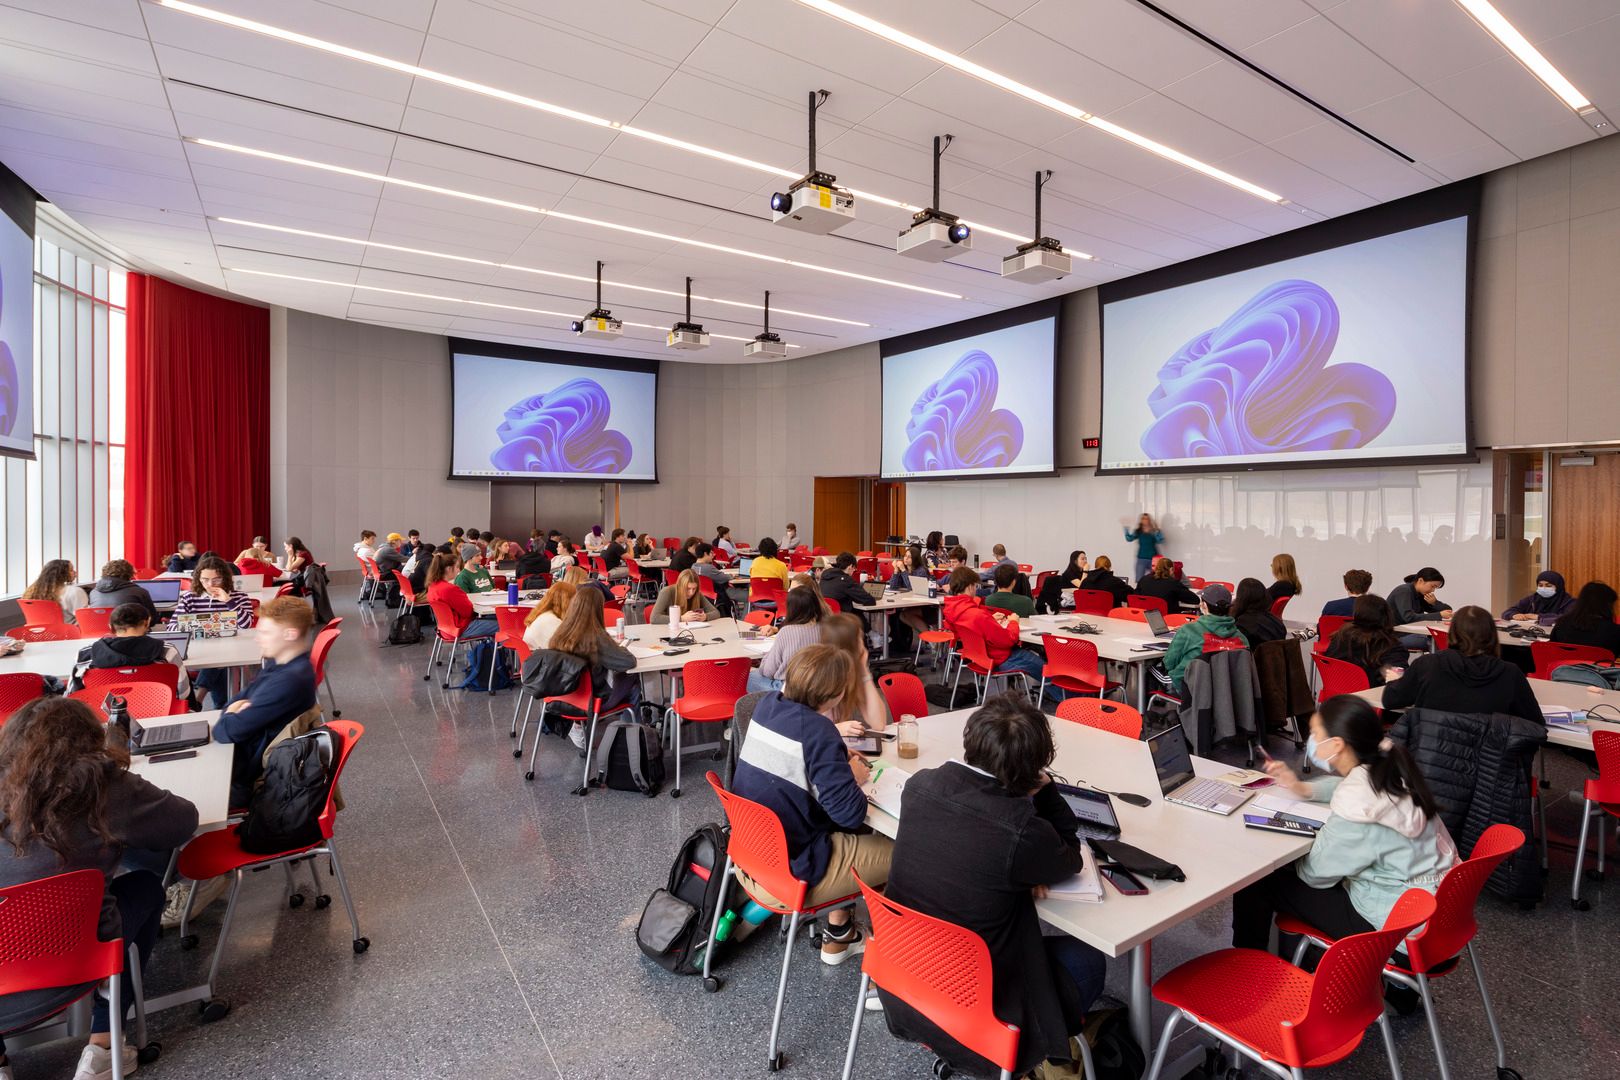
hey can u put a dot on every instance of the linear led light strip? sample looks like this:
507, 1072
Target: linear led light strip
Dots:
526, 269
544, 106
1029, 93
450, 299
530, 209
1527, 54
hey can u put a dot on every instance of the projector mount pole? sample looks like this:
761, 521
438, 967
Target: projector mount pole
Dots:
939, 151
599, 265
689, 296
1041, 177
767, 311
818, 98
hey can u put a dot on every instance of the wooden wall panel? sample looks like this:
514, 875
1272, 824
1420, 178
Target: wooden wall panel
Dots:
1585, 532
838, 513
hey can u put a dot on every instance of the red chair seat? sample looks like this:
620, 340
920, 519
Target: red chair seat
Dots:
214, 853
1247, 994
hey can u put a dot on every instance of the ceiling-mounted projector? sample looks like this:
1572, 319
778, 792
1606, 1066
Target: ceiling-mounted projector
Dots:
934, 236
598, 323
815, 203
766, 345
1043, 258
687, 334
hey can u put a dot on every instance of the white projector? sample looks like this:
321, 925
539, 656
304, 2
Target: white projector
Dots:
767, 347
599, 325
685, 335
1038, 260
934, 237
814, 204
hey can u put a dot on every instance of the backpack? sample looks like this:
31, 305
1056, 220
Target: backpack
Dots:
674, 927
286, 807
478, 677
407, 630
1606, 678
940, 694
630, 757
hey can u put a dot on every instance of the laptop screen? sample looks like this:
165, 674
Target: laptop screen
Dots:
743, 567
1155, 621
181, 640
1171, 758
164, 590
1091, 807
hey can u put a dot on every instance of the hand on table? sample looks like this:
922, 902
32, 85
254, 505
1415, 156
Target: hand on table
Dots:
1445, 614
858, 766
1040, 892
1525, 616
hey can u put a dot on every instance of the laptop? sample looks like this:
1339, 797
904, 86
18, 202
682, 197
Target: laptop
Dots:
210, 624
164, 590
1094, 809
161, 738
743, 566
248, 582
919, 584
180, 639
1173, 762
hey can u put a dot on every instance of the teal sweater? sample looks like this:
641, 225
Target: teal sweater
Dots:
1188, 644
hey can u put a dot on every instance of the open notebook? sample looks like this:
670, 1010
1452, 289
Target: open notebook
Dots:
885, 787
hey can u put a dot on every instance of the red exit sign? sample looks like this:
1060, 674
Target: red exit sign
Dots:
1091, 443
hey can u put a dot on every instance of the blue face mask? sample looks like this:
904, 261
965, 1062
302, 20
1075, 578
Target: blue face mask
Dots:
1325, 765
1545, 591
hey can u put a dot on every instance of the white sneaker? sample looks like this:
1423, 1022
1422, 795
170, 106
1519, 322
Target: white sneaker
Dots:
96, 1063
576, 735
873, 1003
835, 951
5, 1071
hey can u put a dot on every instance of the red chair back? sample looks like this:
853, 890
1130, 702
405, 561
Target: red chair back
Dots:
599, 564
285, 590
582, 698
1108, 716
760, 618
1347, 991
346, 733
94, 622
1339, 676
1194, 582
904, 693
167, 675
611, 614
1326, 627
48, 934
59, 631
18, 688
1179, 619
444, 620
706, 588
145, 700
710, 689
510, 621
1279, 604
670, 576
770, 589
758, 847
1040, 579
943, 971
405, 590
1129, 614
319, 651
1093, 602
146, 573
833, 605
1551, 655
1071, 663
973, 650
42, 612
800, 563
1453, 925
373, 571
1147, 603
867, 566
633, 568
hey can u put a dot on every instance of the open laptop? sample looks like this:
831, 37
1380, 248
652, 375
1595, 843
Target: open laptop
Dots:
919, 584
248, 582
207, 624
164, 590
156, 738
1173, 761
743, 566
1094, 809
180, 639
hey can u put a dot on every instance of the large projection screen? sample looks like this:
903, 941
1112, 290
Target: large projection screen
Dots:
16, 316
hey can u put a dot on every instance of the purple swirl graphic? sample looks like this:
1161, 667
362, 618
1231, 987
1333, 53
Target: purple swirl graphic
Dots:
564, 431
955, 425
10, 381
1260, 384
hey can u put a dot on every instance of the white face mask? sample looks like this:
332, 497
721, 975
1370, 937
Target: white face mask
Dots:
1545, 591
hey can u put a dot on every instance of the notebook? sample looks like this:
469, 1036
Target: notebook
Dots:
885, 787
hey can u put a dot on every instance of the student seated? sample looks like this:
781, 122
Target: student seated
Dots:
964, 610
934, 550
59, 581
1468, 677
863, 705
1072, 576
473, 577
1251, 610
801, 627
366, 546
686, 596
213, 592
1369, 641
705, 567
1285, 579
563, 557
129, 646
644, 547
441, 588
956, 556
981, 840
1004, 598
258, 551
1591, 620
1101, 577
999, 552
794, 761
838, 583
1384, 836
685, 558
298, 557
1414, 600
1356, 584
594, 540
1162, 584
910, 563
790, 539
117, 586
722, 541
184, 560
97, 810
543, 619
583, 634
282, 690
613, 556
1546, 605
766, 564
389, 557
1214, 617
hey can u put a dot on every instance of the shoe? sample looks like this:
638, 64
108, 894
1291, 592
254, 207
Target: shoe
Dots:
835, 950
1403, 999
174, 906
207, 892
96, 1063
576, 735
873, 1003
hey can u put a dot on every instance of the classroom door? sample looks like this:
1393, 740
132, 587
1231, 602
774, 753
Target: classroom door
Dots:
1584, 532
888, 516
837, 513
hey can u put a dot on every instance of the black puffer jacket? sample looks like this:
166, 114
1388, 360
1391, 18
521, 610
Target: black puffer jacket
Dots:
1478, 767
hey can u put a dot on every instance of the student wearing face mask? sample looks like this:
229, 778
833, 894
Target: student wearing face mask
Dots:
1546, 605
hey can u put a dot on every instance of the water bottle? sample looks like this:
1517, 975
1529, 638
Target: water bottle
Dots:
753, 916
512, 593
674, 620
618, 630
727, 921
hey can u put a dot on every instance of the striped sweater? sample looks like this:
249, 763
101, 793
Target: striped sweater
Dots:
192, 604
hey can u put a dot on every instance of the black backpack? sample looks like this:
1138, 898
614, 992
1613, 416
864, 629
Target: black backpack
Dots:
285, 810
675, 924
407, 630
630, 757
940, 694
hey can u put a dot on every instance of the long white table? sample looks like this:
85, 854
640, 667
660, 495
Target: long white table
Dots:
1218, 854
1118, 640
204, 779
1503, 637
1558, 695
896, 600
56, 658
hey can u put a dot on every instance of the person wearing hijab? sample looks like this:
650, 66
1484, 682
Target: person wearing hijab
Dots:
1549, 603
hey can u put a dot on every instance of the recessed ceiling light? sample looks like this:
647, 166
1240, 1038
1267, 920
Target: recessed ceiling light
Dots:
518, 266
1029, 93
528, 102
1494, 24
446, 299
597, 222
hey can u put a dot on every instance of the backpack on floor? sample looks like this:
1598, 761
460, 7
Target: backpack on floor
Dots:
407, 630
674, 926
894, 665
286, 807
1607, 678
940, 694
630, 757
478, 658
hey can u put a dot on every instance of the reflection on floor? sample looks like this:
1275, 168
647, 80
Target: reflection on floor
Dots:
501, 915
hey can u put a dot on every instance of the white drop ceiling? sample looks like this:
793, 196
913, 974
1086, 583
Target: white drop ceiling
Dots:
99, 97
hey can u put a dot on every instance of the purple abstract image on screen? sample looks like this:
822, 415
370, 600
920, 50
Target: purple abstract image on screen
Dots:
955, 425
1260, 383
10, 381
564, 431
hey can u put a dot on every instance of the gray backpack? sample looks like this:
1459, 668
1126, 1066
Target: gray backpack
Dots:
630, 757
1606, 678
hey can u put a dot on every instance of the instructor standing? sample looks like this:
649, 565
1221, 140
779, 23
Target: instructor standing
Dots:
1148, 537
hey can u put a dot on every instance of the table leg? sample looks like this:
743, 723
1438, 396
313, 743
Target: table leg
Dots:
885, 632
1141, 993
1141, 688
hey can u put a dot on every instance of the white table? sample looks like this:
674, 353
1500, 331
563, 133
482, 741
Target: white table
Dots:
1558, 695
204, 779
642, 640
1218, 854
56, 658
1108, 640
486, 603
1502, 628
895, 600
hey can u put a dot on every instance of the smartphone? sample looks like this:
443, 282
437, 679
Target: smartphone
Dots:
1122, 879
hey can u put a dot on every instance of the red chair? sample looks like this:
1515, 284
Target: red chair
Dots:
987, 564
1279, 604
670, 576
1195, 582
1602, 800
942, 971
446, 629
318, 652
286, 590
1288, 1019
1072, 665
760, 618
582, 700
18, 688
94, 622
1147, 603
146, 573
167, 675
599, 564
801, 563
1179, 619
1040, 579
1551, 655
904, 693
706, 588
867, 566
1326, 627
1441, 638
975, 656
1437, 948
672, 544
1093, 602
145, 700
768, 591
220, 852
709, 693
1108, 716
508, 636
54, 632
1026, 568
1128, 614
375, 574
833, 605
940, 639
49, 930
41, 612
758, 847
407, 595
1338, 676
639, 581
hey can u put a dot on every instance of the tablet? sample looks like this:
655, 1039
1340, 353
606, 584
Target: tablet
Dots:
1094, 809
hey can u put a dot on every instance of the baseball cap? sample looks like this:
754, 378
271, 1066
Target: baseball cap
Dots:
394, 538
1217, 596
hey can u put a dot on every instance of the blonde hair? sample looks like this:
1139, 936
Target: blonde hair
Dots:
1103, 562
556, 601
805, 581
576, 576
845, 633
682, 601
1282, 568
816, 675
1164, 568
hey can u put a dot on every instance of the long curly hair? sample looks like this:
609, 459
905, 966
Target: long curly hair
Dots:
55, 768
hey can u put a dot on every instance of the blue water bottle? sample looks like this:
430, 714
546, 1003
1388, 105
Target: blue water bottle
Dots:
752, 916
511, 593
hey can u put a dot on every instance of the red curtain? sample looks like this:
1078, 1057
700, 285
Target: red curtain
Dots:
197, 463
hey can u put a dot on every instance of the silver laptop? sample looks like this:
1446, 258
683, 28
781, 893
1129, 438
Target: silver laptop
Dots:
1173, 762
164, 590
248, 582
919, 584
181, 640
1156, 623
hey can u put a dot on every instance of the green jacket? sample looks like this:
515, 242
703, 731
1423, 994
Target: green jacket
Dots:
1188, 644
474, 581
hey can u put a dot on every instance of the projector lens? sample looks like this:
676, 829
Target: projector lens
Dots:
576, 326
781, 203
959, 233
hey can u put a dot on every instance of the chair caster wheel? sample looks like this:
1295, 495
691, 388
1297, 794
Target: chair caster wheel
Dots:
777, 1062
149, 1053
582, 791
188, 942
322, 902
1505, 1073
213, 1009
337, 713
529, 775
361, 944
942, 1069
1578, 905
712, 984
675, 793
296, 900
425, 678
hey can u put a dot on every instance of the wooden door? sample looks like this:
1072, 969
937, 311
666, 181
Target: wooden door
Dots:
837, 514
888, 516
1584, 535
